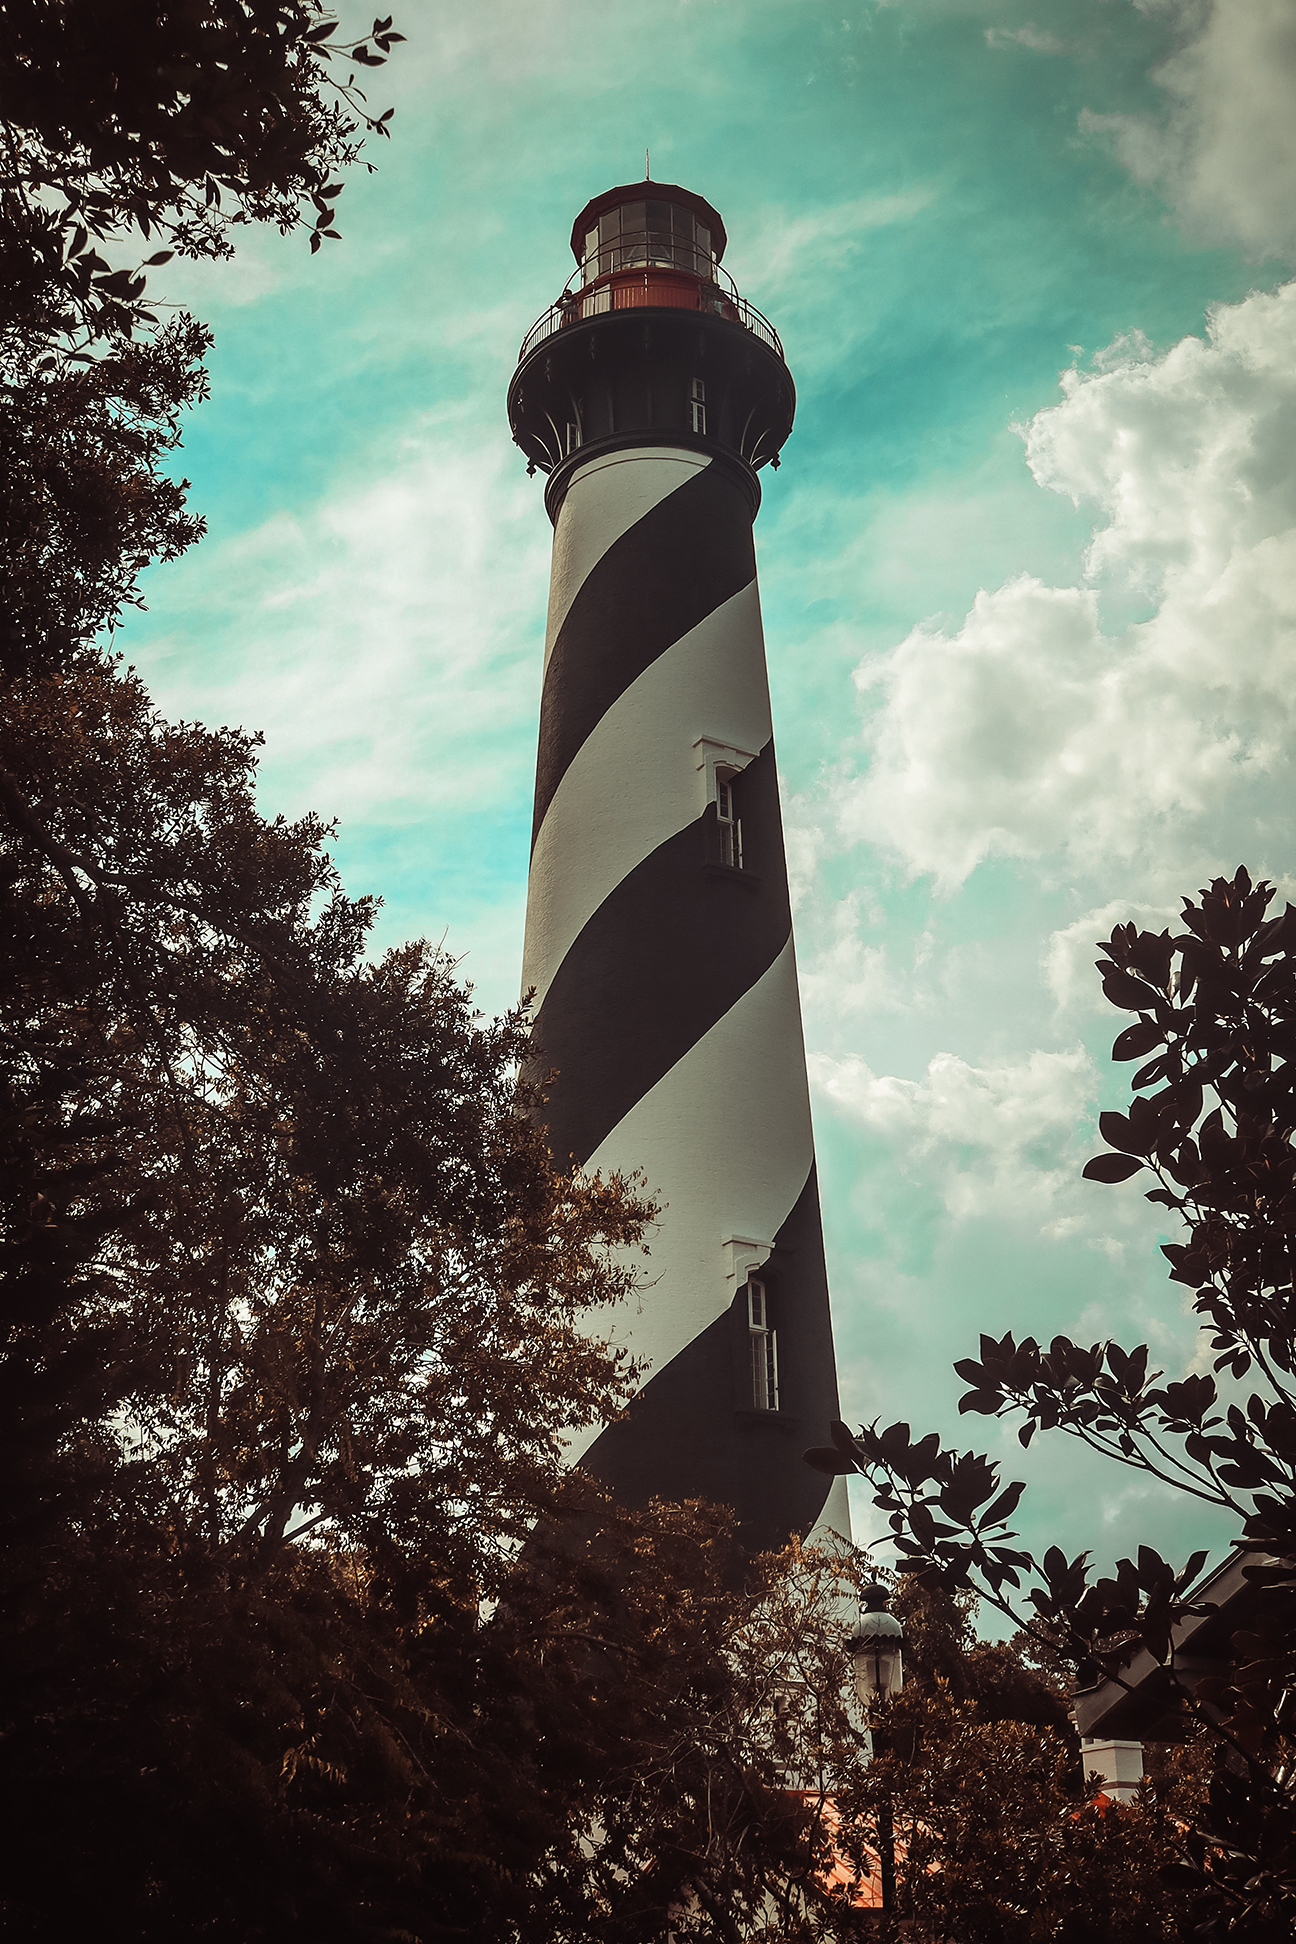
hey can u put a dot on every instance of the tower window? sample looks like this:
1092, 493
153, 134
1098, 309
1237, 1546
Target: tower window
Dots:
729, 824
764, 1349
697, 405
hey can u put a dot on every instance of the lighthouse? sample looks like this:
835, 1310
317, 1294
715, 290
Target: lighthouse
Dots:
659, 927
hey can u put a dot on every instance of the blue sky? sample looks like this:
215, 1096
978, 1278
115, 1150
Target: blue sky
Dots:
1028, 569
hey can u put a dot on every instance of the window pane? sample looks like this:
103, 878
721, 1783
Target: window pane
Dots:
704, 238
659, 214
610, 226
760, 1374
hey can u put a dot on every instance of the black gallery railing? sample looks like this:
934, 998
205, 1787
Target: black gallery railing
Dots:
654, 286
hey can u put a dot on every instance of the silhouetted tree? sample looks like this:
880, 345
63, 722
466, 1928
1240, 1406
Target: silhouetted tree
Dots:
306, 1629
1213, 1118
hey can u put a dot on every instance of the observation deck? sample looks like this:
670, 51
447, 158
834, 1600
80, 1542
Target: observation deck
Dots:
655, 286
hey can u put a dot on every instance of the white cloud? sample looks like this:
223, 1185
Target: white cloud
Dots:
384, 638
804, 843
849, 976
1069, 956
1225, 151
786, 244
1165, 746
992, 1139
1029, 36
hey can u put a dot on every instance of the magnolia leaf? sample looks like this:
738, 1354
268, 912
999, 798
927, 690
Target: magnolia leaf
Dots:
1137, 1040
1111, 1168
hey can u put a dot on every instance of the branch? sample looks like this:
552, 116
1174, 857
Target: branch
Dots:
719, 1916
66, 861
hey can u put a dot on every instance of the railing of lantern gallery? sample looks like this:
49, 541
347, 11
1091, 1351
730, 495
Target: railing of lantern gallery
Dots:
656, 286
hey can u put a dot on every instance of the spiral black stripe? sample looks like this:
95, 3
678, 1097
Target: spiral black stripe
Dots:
671, 1017
686, 1435
675, 566
664, 957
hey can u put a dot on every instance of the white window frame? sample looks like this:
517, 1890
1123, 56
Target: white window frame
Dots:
718, 764
729, 825
763, 1344
697, 406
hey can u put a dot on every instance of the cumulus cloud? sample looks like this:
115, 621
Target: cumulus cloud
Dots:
384, 638
994, 1139
1037, 731
849, 975
1224, 153
804, 843
1070, 955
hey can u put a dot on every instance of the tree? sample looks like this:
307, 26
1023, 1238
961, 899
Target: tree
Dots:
283, 1249
1004, 1680
290, 1287
307, 1629
129, 124
115, 118
996, 1839
975, 1781
1212, 1117
139, 119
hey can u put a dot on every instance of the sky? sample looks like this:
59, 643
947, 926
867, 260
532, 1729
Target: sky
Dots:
1028, 573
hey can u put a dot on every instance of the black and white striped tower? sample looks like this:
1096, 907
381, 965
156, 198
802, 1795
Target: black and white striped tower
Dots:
659, 929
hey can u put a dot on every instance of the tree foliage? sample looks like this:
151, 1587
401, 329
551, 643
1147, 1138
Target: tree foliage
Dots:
997, 1842
129, 124
307, 1629
975, 1781
1212, 1117
290, 1333
138, 120
283, 1252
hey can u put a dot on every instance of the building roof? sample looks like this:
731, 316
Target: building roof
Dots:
1144, 1704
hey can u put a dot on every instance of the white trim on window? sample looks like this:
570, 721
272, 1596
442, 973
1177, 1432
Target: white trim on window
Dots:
730, 825
744, 1256
697, 405
763, 1343
718, 763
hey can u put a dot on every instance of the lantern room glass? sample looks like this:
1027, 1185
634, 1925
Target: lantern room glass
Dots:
647, 234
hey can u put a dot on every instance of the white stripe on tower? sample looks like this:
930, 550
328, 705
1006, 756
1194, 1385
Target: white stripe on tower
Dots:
665, 979
608, 496
747, 1073
639, 778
